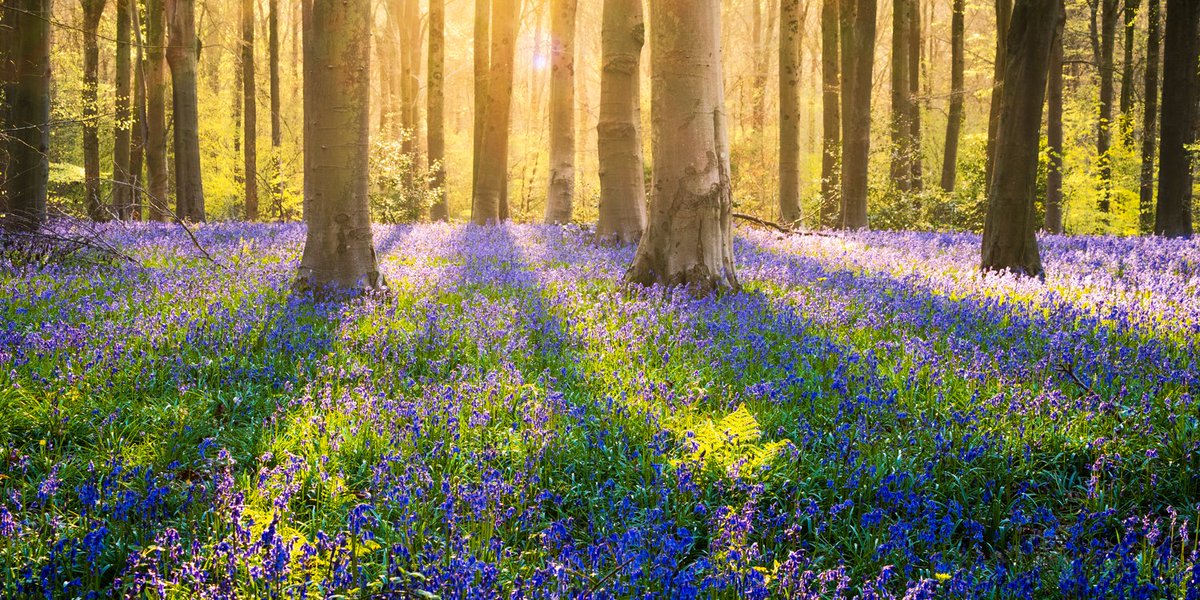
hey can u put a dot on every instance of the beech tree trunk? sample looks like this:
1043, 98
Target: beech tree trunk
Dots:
7, 77
690, 237
903, 12
1181, 44
761, 40
858, 56
1150, 116
276, 102
831, 123
338, 249
92, 11
619, 133
1009, 241
122, 193
489, 201
137, 147
156, 110
916, 170
435, 106
250, 112
561, 194
954, 120
1003, 13
1125, 119
182, 49
791, 26
1110, 12
28, 98
482, 69
1054, 134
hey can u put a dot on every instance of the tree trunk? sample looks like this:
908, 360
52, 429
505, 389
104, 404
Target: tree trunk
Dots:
482, 70
7, 77
1003, 13
858, 55
1181, 44
276, 102
1150, 116
435, 106
762, 59
902, 12
1009, 241
831, 123
619, 133
490, 197
1125, 119
1054, 134
690, 237
561, 195
1110, 12
29, 114
955, 119
338, 249
791, 26
182, 49
122, 193
156, 110
916, 170
250, 110
92, 11
137, 149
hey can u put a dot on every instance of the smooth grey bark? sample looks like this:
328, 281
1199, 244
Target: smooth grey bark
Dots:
1054, 134
954, 119
1181, 44
903, 108
339, 249
1150, 115
249, 112
858, 56
122, 192
182, 49
276, 102
831, 120
92, 11
155, 75
435, 106
28, 98
689, 240
1009, 240
560, 196
791, 28
488, 203
619, 132
482, 64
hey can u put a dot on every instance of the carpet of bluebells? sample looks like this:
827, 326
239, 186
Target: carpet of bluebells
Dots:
869, 418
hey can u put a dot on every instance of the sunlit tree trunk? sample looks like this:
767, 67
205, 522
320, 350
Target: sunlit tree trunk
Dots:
858, 55
1125, 119
121, 192
7, 77
488, 203
156, 110
915, 168
690, 236
1003, 13
954, 119
831, 123
435, 106
560, 197
250, 111
276, 103
1150, 115
903, 11
182, 49
338, 249
1009, 240
619, 134
791, 26
1181, 44
482, 63
1110, 12
761, 41
92, 11
28, 98
137, 146
1054, 134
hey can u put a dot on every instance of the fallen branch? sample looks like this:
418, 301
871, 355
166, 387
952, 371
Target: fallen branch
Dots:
776, 226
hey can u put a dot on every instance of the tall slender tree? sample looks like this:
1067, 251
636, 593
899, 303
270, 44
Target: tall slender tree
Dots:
482, 66
122, 192
1054, 134
831, 123
1009, 241
858, 55
339, 250
560, 196
435, 106
1003, 14
7, 77
93, 10
488, 204
916, 168
276, 102
249, 111
28, 98
760, 39
1109, 14
690, 236
155, 76
1125, 118
137, 146
903, 13
1181, 45
182, 51
954, 119
1150, 115
791, 26
619, 133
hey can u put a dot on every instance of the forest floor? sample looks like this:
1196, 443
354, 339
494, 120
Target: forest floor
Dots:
869, 417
